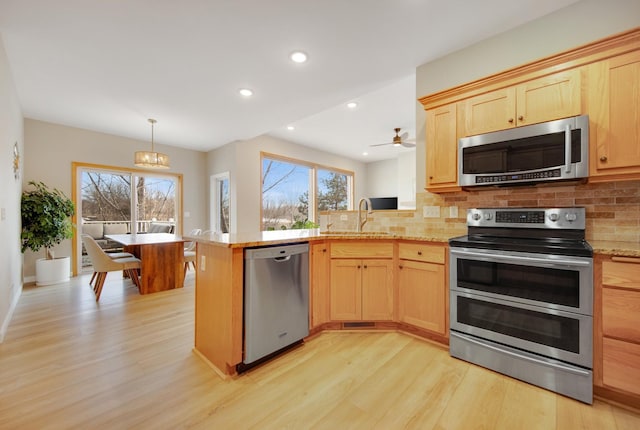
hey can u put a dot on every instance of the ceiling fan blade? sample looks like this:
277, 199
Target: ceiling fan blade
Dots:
382, 144
408, 144
404, 136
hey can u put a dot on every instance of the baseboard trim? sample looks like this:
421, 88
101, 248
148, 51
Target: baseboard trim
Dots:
9, 316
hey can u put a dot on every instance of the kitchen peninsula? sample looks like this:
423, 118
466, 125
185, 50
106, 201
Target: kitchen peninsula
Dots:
219, 286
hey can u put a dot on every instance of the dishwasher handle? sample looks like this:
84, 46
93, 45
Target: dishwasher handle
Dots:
282, 259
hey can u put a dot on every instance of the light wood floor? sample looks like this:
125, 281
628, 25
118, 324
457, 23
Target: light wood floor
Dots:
126, 362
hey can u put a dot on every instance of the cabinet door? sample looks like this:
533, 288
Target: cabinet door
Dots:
319, 284
489, 112
422, 295
550, 97
377, 290
621, 365
614, 109
442, 148
346, 289
621, 314
621, 299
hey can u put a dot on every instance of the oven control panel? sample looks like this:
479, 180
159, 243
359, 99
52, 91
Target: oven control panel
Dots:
562, 218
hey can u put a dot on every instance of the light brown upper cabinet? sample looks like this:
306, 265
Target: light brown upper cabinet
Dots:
442, 149
600, 79
614, 113
543, 99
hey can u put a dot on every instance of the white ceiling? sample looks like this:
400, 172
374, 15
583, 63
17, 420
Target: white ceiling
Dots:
109, 65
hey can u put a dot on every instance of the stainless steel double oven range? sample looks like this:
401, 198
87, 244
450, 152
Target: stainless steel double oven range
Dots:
521, 286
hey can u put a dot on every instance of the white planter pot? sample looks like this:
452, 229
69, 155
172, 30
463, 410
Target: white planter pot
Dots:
54, 271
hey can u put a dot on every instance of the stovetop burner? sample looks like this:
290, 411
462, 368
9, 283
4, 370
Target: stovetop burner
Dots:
557, 231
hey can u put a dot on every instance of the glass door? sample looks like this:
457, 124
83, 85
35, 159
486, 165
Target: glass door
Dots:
114, 201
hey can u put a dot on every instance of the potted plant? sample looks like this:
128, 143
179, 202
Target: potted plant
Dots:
46, 221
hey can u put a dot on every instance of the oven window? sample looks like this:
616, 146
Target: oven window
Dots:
530, 153
546, 329
542, 284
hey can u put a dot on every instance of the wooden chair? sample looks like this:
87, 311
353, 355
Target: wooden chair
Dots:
102, 264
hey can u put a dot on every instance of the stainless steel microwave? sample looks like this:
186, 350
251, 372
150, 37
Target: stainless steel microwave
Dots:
550, 151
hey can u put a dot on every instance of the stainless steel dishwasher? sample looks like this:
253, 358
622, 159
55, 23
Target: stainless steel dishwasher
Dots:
276, 299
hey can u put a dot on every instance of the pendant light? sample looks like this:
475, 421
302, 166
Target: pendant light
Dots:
151, 158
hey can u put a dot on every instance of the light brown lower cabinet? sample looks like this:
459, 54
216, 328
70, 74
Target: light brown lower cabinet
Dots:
618, 291
621, 365
422, 286
361, 289
319, 284
421, 295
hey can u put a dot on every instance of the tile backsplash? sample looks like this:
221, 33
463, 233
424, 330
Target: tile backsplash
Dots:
613, 210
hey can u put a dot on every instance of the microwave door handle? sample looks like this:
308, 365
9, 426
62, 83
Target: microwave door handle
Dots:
567, 148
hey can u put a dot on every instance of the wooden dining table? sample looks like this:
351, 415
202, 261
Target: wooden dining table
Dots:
161, 256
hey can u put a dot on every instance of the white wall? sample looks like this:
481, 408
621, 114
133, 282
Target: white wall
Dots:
394, 178
242, 160
382, 178
51, 148
11, 132
407, 180
575, 25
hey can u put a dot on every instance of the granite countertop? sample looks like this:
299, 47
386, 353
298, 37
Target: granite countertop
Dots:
609, 247
245, 240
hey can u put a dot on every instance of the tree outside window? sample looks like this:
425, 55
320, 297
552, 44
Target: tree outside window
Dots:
287, 187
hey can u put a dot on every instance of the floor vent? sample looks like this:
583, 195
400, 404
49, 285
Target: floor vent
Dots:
359, 325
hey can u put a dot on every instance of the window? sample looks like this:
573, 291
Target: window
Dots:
333, 190
220, 202
294, 192
118, 201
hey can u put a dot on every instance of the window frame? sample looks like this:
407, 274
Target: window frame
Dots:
216, 201
76, 196
313, 188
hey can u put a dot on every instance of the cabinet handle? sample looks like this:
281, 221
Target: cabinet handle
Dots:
358, 266
626, 259
419, 252
603, 158
510, 120
324, 250
520, 118
365, 266
401, 266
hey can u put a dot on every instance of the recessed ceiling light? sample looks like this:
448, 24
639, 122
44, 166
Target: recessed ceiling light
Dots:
290, 128
365, 153
245, 92
352, 105
298, 57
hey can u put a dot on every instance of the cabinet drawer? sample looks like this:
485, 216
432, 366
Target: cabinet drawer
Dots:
621, 314
621, 365
622, 274
422, 252
361, 249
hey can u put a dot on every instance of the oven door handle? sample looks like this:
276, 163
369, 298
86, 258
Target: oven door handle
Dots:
519, 258
554, 364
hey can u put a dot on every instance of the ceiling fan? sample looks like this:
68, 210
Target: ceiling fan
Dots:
399, 140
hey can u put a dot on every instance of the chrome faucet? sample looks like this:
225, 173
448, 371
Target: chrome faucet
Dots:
362, 222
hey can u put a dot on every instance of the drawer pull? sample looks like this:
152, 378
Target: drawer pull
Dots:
626, 260
419, 252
